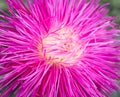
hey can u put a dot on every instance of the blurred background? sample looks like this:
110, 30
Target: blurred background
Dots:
114, 8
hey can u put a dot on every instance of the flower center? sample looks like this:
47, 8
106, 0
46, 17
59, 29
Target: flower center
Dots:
62, 47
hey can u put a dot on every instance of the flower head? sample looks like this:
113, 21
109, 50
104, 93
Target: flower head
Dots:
58, 48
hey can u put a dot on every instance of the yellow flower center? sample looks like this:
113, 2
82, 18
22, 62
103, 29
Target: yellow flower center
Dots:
62, 46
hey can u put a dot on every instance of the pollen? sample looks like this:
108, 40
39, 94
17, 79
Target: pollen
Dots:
62, 46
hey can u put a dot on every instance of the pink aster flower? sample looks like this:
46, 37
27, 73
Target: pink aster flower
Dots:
58, 48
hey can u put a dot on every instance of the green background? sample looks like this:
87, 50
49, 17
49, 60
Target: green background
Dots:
114, 11
114, 8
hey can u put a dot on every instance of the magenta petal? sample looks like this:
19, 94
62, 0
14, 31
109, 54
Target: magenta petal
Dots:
58, 48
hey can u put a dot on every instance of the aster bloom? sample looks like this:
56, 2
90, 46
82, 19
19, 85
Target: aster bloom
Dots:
58, 48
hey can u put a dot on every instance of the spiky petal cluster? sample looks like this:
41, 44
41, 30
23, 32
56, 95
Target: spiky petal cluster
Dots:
58, 48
